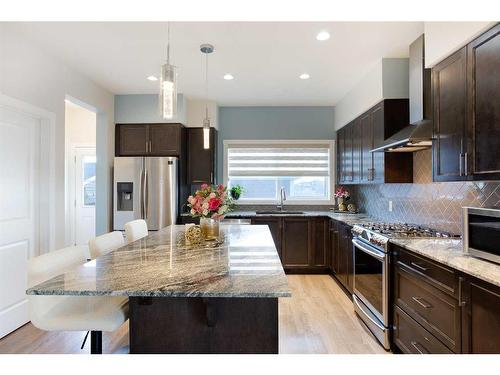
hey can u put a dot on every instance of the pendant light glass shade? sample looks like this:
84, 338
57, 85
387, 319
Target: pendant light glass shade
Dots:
206, 131
168, 92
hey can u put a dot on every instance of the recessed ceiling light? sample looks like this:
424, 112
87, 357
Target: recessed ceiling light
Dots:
304, 76
323, 35
228, 77
152, 78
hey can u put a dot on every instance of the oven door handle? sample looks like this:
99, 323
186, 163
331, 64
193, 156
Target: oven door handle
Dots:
366, 249
355, 299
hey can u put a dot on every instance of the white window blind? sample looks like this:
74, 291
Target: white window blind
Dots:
278, 160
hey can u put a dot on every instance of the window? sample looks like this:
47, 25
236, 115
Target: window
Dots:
303, 168
88, 185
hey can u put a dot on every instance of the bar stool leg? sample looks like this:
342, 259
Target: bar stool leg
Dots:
95, 342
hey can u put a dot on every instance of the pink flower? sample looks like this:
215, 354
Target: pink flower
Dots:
204, 186
214, 204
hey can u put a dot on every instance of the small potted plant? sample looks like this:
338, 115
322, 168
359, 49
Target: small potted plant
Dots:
342, 195
210, 204
236, 192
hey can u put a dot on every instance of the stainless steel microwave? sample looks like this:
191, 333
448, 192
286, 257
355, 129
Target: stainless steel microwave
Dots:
482, 233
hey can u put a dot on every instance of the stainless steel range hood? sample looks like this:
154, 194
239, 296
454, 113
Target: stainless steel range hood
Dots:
418, 135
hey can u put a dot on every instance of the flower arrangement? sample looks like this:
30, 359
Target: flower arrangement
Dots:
342, 193
210, 202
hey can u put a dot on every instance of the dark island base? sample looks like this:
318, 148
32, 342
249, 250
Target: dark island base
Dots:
203, 325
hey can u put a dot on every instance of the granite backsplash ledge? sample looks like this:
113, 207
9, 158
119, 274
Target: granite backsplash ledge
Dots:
436, 205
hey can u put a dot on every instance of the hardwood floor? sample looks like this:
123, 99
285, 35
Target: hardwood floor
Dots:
318, 318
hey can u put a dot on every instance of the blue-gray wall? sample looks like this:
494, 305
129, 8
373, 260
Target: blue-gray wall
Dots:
272, 123
143, 108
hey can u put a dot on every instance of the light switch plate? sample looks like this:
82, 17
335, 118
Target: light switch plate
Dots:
390, 206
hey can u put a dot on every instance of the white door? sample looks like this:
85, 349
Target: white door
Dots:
85, 194
19, 213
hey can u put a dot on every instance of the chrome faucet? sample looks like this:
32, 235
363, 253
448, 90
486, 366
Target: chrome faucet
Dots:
282, 198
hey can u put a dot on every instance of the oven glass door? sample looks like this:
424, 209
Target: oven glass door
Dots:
369, 279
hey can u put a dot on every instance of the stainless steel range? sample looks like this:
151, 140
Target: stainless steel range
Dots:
371, 271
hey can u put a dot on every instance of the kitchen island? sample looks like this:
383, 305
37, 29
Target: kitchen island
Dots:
186, 299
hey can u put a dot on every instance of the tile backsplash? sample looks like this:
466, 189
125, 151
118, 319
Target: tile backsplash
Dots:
433, 204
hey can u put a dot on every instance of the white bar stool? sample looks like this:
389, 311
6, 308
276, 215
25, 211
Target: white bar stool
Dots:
135, 230
105, 243
72, 313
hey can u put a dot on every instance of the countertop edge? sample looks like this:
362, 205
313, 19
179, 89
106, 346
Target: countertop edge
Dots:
156, 294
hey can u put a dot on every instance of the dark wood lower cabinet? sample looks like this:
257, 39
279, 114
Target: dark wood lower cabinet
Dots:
480, 317
296, 244
275, 226
440, 310
412, 338
342, 255
185, 325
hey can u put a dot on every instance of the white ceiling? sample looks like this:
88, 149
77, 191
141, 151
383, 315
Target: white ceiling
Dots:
265, 58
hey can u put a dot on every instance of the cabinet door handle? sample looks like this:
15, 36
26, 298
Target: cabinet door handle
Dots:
420, 349
418, 266
422, 302
212, 177
461, 302
150, 146
147, 146
466, 164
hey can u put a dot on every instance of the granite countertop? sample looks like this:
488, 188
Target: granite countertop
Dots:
350, 219
450, 252
446, 251
245, 265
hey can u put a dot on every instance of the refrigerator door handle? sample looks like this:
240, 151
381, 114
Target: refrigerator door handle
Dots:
146, 194
141, 198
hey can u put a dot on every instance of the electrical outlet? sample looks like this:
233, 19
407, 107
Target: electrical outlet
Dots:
390, 206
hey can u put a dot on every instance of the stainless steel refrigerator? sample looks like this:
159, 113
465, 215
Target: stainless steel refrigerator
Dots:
145, 188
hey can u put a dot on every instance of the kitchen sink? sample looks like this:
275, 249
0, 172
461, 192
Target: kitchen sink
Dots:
279, 212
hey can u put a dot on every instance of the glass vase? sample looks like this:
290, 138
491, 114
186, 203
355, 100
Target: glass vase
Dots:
209, 228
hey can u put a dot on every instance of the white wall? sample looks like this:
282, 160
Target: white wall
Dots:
388, 79
444, 38
31, 74
80, 125
196, 112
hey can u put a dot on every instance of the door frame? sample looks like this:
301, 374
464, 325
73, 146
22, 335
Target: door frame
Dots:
47, 177
72, 186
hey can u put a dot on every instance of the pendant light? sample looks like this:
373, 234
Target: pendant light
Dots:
206, 49
168, 86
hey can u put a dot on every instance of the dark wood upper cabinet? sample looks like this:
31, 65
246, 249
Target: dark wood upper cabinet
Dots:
131, 140
483, 65
357, 163
340, 156
201, 161
366, 139
165, 139
450, 100
467, 111
347, 155
480, 317
148, 139
357, 139
377, 124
